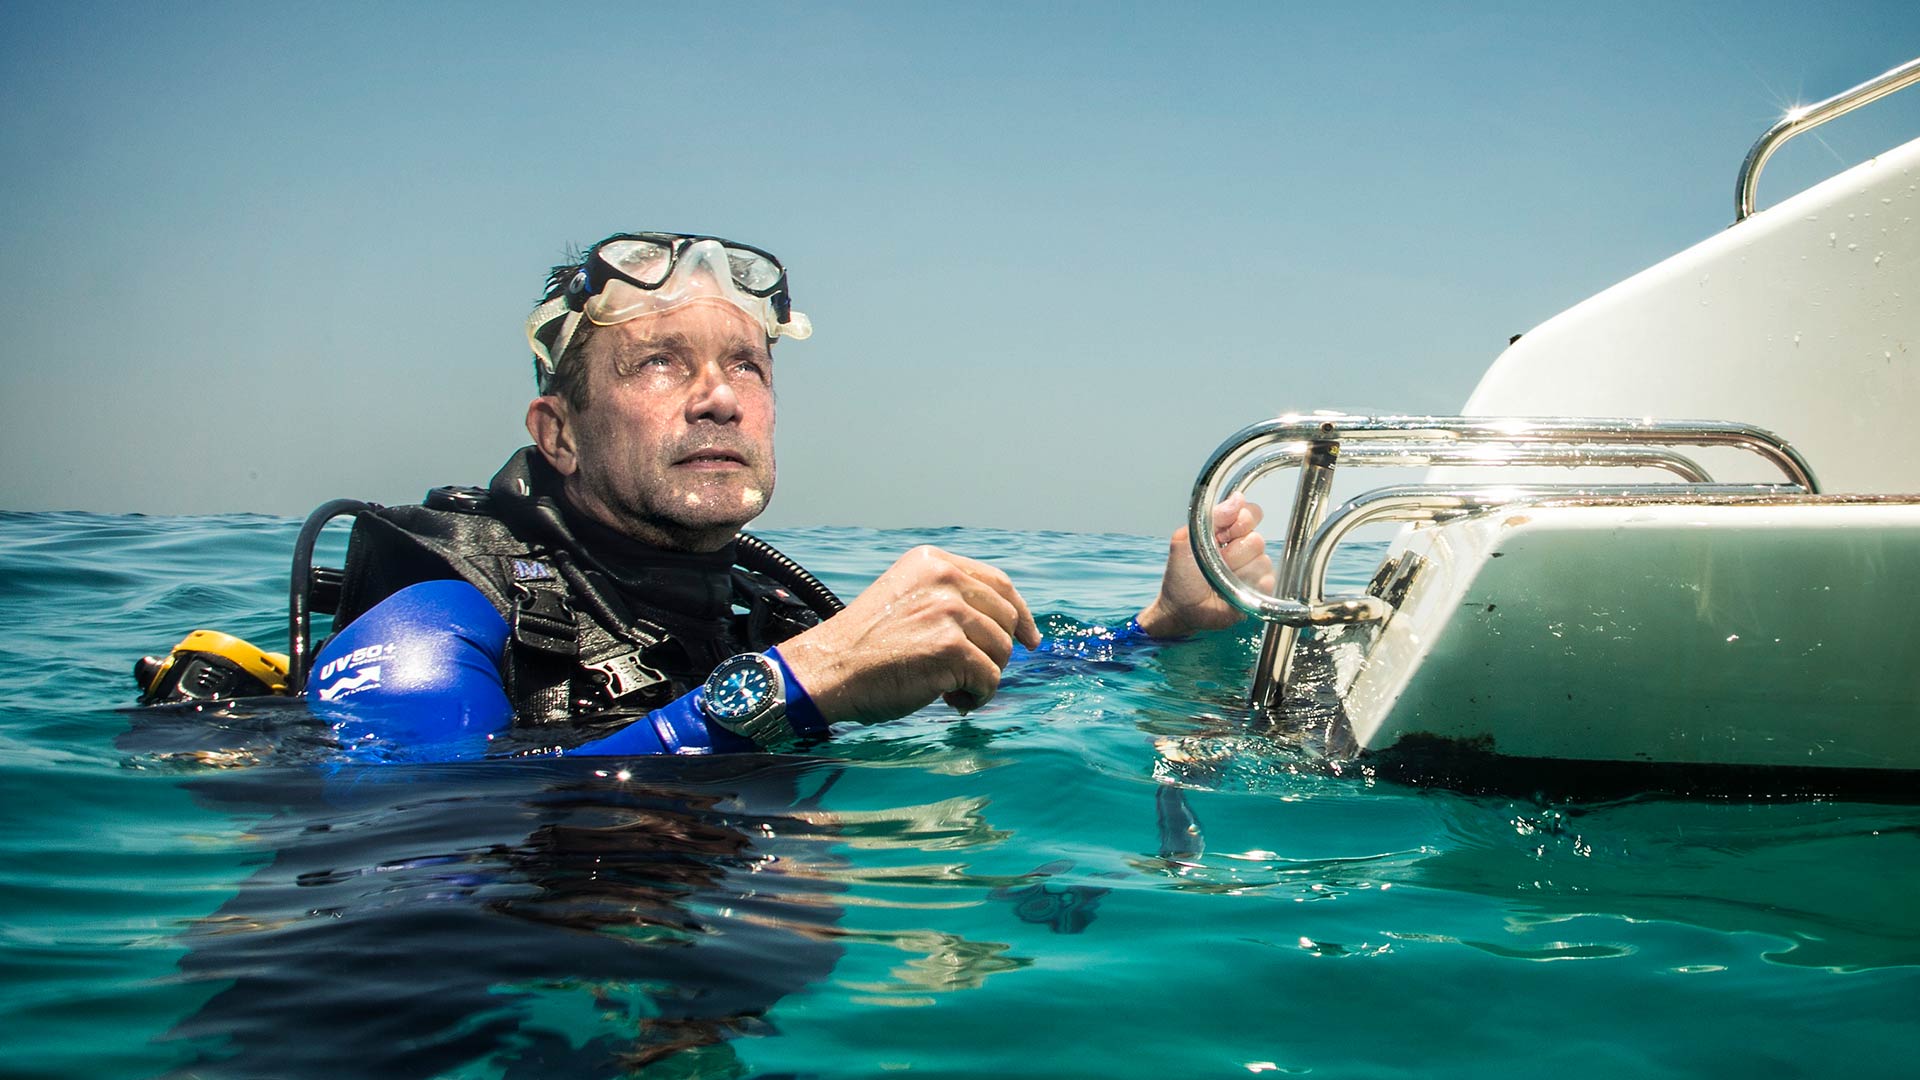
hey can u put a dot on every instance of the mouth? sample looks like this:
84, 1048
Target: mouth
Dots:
712, 457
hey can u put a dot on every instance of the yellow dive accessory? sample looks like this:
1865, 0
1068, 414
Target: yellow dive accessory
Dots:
208, 664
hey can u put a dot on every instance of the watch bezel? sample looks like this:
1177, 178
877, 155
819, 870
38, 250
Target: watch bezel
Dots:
763, 723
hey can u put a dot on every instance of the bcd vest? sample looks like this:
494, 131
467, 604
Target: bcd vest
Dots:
578, 643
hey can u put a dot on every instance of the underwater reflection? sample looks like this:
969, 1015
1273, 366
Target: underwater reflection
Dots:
535, 916
546, 918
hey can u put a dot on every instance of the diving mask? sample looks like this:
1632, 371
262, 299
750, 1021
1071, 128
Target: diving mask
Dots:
634, 274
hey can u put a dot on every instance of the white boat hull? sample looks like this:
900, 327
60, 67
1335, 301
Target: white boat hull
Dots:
1768, 635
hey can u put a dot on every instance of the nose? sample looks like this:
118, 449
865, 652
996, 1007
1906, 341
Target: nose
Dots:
714, 398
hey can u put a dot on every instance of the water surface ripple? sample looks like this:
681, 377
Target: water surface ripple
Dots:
1110, 870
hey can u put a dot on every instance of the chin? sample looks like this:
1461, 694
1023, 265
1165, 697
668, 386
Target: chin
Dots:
717, 506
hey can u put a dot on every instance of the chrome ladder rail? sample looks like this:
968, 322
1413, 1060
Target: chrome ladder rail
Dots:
1316, 443
1805, 118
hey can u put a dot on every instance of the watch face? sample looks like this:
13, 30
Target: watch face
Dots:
738, 691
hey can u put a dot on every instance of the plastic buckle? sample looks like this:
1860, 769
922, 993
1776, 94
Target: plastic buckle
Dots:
543, 620
625, 674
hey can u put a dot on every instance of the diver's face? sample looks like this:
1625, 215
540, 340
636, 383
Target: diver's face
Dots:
675, 446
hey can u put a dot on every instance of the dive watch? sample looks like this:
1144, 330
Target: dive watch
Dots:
747, 696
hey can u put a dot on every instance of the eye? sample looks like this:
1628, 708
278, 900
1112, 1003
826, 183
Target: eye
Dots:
753, 367
647, 363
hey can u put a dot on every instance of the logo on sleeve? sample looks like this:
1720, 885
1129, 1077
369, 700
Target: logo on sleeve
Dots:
358, 670
341, 687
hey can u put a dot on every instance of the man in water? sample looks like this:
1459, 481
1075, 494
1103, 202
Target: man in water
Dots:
596, 573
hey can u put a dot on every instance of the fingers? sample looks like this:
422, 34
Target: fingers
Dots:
993, 616
1235, 517
935, 625
961, 701
1248, 560
953, 620
1256, 514
1227, 511
1021, 625
1234, 522
975, 667
986, 633
1259, 575
1244, 550
1265, 580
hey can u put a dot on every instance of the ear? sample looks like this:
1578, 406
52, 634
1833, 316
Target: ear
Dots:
549, 422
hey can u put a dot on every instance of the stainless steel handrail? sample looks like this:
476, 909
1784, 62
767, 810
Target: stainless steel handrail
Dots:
1807, 117
1435, 432
1316, 443
1420, 455
1436, 503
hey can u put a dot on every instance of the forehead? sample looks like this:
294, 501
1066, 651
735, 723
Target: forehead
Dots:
703, 325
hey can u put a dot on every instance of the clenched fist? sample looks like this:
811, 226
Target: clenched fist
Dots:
935, 625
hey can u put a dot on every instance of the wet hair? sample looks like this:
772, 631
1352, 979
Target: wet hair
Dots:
569, 378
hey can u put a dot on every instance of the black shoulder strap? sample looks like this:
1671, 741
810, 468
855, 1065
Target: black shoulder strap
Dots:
396, 546
543, 644
574, 645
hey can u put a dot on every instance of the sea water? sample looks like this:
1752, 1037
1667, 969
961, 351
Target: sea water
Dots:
1112, 869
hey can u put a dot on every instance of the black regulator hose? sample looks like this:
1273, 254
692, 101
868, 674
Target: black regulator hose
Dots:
761, 557
300, 588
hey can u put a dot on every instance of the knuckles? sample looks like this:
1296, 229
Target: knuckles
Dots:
953, 648
950, 607
924, 555
930, 564
927, 613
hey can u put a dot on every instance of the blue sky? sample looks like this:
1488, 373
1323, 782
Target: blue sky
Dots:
260, 255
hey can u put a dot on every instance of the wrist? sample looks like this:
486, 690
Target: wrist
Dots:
1158, 620
815, 666
803, 714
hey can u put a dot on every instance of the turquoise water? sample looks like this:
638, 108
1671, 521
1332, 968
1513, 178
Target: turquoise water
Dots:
1110, 870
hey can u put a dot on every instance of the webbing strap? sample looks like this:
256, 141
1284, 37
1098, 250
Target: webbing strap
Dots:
543, 651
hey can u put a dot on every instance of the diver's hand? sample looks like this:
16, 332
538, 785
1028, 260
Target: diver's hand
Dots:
934, 625
1186, 602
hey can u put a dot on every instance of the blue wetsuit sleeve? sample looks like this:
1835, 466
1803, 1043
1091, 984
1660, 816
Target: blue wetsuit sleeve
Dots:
417, 677
680, 726
802, 714
1087, 642
674, 728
